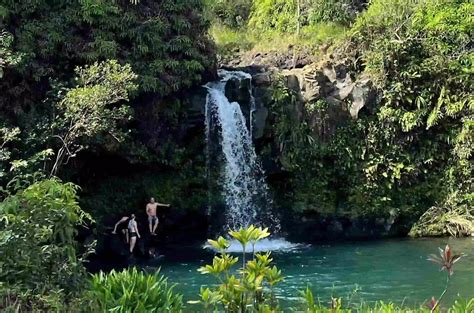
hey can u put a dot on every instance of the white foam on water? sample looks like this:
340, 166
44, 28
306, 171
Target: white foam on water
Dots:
265, 245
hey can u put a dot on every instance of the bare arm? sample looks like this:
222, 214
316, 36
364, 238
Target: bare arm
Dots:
162, 204
148, 210
122, 220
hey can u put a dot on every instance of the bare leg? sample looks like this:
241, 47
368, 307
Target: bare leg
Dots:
126, 235
133, 241
155, 227
150, 226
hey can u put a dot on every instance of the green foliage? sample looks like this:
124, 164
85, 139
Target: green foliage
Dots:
134, 291
414, 150
7, 135
462, 305
7, 57
288, 16
278, 15
230, 13
336, 11
417, 53
80, 114
312, 305
165, 42
16, 300
301, 154
127, 193
37, 237
19, 169
251, 289
93, 107
264, 25
455, 217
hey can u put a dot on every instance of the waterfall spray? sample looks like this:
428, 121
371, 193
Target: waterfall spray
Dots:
242, 179
243, 184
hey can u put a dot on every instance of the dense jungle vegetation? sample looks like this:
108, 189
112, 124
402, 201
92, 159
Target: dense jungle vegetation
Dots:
95, 98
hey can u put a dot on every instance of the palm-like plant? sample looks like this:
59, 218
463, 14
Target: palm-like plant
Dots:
446, 259
248, 235
244, 291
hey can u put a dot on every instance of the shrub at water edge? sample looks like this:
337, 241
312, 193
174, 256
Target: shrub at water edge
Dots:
134, 291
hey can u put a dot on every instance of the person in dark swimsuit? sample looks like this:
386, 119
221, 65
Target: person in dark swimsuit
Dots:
133, 232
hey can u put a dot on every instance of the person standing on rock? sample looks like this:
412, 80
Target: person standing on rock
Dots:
151, 212
133, 232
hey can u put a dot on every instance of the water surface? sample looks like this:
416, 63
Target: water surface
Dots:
389, 270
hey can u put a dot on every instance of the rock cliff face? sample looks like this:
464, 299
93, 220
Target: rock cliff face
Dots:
344, 93
332, 85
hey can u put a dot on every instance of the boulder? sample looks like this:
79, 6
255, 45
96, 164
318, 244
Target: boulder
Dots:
238, 90
312, 93
318, 76
362, 95
344, 91
261, 79
329, 72
294, 79
259, 121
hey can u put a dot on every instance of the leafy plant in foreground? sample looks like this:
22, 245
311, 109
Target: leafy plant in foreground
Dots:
446, 259
134, 291
250, 289
37, 237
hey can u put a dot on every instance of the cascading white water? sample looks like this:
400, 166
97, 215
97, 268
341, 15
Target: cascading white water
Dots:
242, 179
244, 188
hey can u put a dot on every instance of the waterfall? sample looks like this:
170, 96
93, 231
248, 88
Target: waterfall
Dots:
243, 183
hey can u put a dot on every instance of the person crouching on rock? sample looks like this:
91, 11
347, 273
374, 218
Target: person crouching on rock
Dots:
133, 232
123, 228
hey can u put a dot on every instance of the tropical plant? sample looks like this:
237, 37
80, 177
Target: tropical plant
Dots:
279, 15
454, 217
230, 13
412, 149
336, 11
93, 107
446, 259
133, 291
165, 43
38, 226
462, 305
17, 174
7, 135
7, 56
251, 288
14, 299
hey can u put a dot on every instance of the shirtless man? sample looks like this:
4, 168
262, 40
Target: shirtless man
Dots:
151, 212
